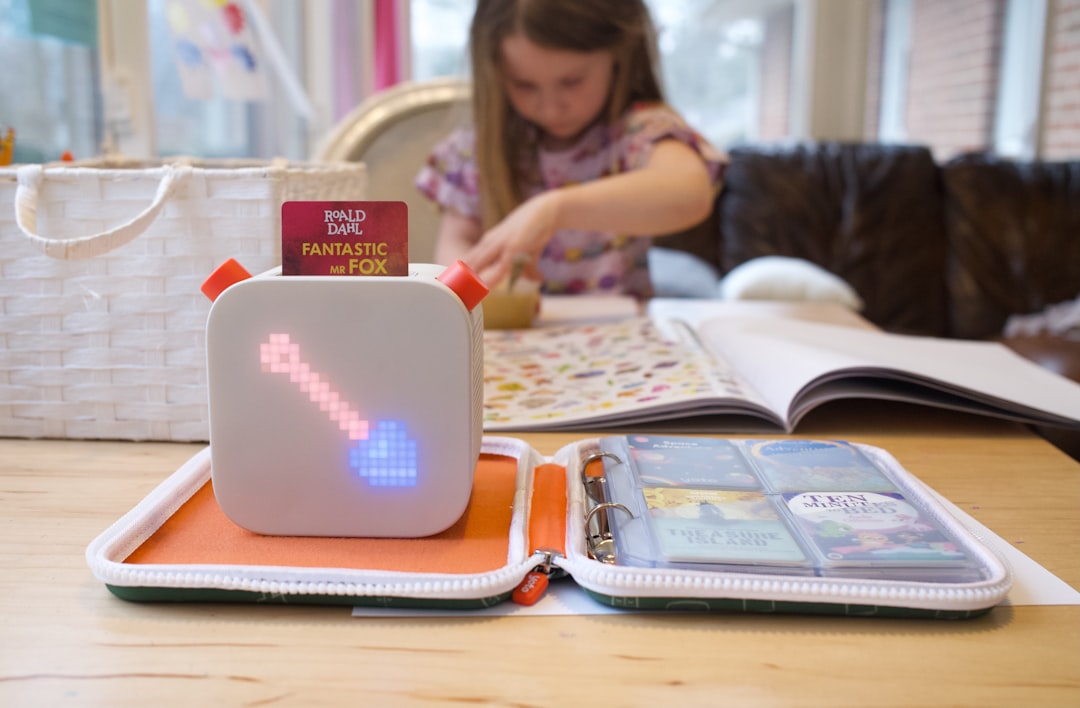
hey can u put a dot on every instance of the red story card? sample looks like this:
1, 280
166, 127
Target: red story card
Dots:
344, 238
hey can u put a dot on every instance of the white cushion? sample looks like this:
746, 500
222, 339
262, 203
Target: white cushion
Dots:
786, 279
1059, 320
676, 273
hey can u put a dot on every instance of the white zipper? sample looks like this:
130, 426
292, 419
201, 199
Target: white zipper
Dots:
623, 582
105, 555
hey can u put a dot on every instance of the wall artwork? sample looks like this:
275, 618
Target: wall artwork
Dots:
213, 41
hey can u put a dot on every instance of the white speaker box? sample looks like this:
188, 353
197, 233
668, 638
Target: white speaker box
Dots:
346, 406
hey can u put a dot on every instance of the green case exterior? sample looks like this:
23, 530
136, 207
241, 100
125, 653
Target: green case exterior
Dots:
656, 604
145, 594
684, 604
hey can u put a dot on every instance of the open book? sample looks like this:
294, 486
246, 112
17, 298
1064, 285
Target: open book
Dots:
761, 373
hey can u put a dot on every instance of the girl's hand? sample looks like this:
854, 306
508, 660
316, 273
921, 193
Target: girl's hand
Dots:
520, 237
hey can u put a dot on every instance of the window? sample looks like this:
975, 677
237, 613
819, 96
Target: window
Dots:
64, 98
726, 64
221, 122
975, 75
956, 75
51, 101
439, 35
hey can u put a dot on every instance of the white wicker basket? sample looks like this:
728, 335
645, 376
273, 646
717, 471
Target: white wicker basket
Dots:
101, 317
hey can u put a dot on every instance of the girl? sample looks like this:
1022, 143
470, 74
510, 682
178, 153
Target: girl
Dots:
573, 160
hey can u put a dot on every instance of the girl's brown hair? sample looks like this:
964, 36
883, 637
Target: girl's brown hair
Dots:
503, 139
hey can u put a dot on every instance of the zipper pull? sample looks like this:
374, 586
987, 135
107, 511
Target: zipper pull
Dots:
535, 582
531, 589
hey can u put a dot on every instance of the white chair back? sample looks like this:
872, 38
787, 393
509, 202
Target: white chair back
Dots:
393, 132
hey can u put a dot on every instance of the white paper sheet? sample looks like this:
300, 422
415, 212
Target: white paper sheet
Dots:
1032, 583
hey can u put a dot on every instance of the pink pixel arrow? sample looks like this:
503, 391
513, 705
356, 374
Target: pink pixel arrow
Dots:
384, 455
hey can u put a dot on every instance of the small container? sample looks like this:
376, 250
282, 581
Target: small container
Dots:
512, 308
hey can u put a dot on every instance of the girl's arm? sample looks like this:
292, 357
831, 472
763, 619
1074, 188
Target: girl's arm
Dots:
671, 192
456, 235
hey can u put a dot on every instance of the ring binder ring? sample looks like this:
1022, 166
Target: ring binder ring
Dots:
597, 455
588, 481
605, 505
602, 543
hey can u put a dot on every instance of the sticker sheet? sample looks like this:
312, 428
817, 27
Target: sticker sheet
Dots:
585, 372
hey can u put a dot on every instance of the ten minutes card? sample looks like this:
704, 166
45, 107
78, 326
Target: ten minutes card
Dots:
345, 238
871, 528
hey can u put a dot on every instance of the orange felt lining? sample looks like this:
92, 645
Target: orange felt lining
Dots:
547, 518
199, 532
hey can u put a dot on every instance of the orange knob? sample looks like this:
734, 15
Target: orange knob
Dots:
224, 275
460, 278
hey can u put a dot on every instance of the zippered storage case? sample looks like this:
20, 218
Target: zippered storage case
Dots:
527, 515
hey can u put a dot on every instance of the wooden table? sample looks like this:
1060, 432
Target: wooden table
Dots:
64, 639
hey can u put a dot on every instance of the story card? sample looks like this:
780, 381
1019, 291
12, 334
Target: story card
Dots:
689, 462
719, 527
807, 465
345, 238
871, 528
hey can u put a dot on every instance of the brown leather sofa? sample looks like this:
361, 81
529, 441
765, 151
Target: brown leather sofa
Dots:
949, 249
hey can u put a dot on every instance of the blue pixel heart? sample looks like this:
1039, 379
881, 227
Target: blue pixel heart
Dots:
387, 458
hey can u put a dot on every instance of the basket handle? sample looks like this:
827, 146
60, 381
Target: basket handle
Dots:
30, 178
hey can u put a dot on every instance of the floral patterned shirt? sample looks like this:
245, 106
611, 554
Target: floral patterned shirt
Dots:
576, 261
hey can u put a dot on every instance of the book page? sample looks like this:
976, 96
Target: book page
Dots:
798, 365
606, 373
696, 312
